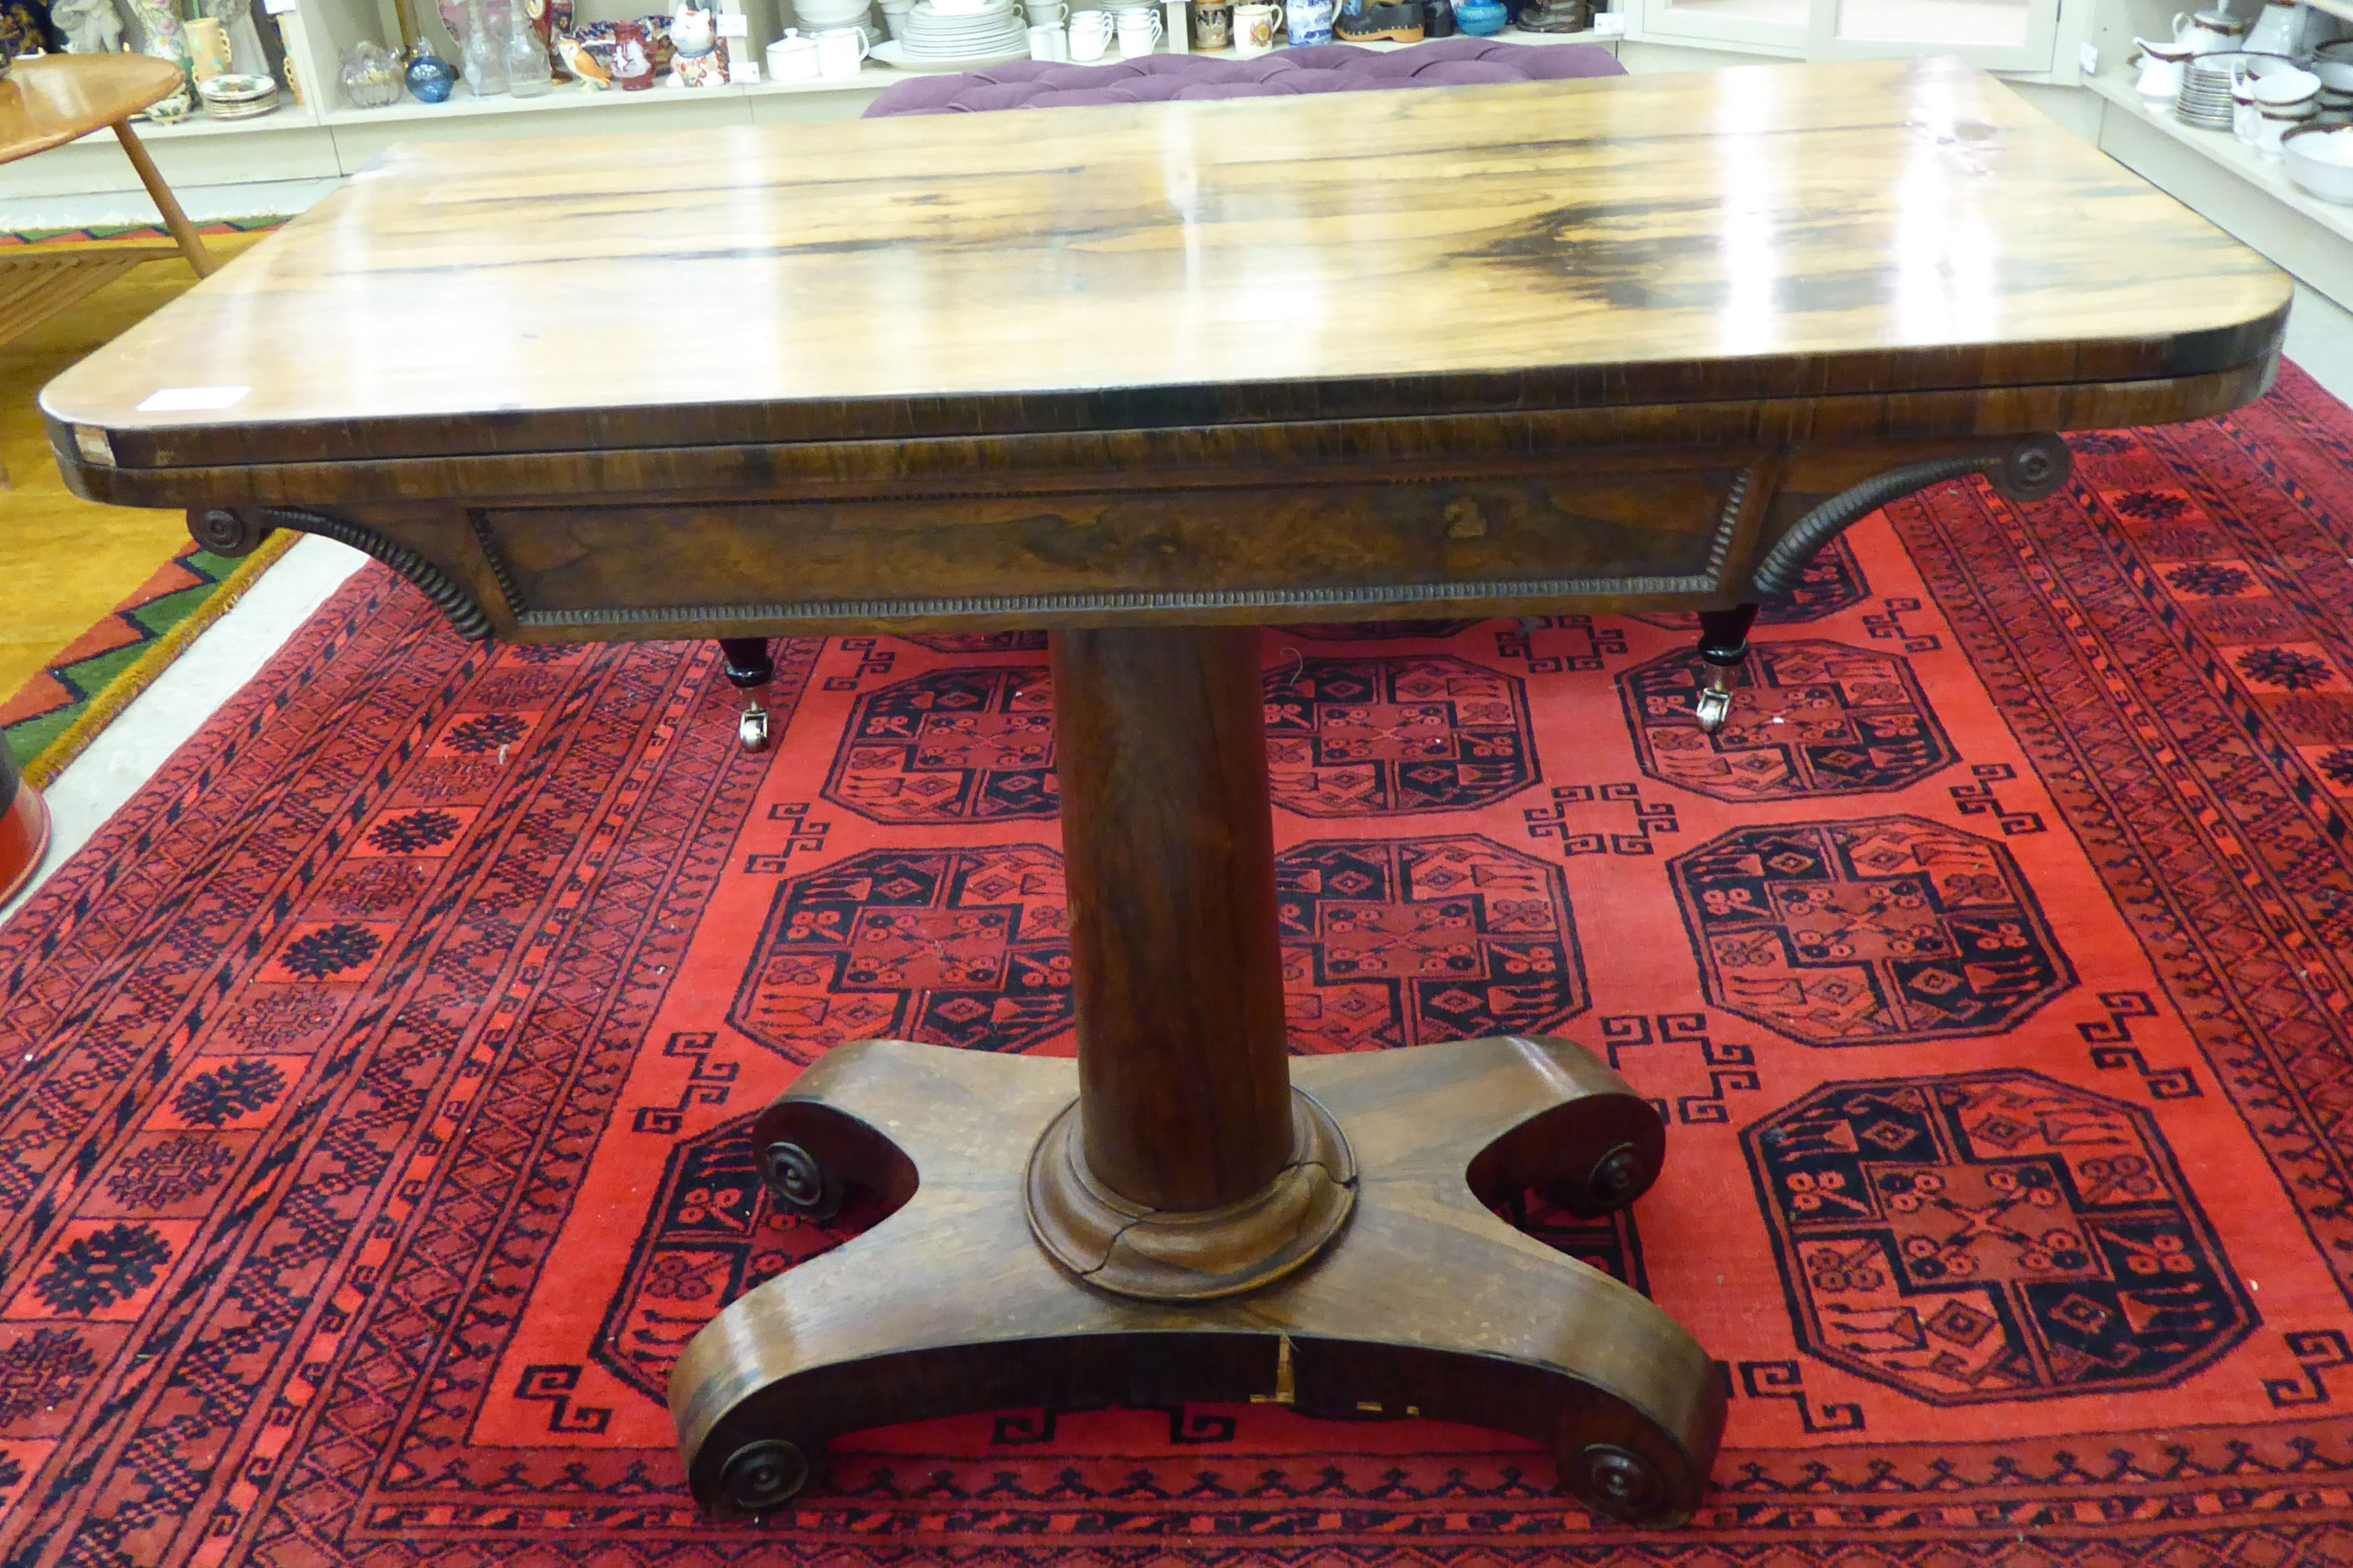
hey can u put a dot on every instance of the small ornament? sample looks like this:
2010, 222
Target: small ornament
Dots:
581, 63
1481, 19
701, 59
430, 77
371, 76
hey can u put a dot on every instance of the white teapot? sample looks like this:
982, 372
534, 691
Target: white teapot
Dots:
2208, 31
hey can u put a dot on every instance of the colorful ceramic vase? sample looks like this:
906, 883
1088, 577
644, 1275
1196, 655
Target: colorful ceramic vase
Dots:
160, 35
1481, 19
208, 54
633, 57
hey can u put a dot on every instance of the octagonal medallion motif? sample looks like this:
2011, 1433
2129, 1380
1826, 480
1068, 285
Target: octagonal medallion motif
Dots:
957, 947
1386, 736
1809, 720
955, 745
1868, 932
1991, 1236
1408, 941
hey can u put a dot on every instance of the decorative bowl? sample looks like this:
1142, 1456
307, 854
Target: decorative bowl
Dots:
2323, 177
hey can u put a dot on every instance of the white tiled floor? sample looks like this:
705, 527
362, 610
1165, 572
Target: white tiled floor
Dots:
2319, 339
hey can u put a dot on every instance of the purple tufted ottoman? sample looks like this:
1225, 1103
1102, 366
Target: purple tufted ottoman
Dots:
1320, 68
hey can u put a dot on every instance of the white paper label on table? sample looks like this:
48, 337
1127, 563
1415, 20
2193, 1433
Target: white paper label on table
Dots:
189, 399
742, 73
735, 25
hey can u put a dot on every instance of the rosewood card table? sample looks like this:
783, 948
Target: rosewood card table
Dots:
1150, 376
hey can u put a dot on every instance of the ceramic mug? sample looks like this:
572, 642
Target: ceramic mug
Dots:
1089, 31
840, 52
1213, 24
1049, 43
1310, 21
792, 57
1254, 26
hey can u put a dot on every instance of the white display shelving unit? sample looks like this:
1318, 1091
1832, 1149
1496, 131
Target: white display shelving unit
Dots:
324, 137
2031, 39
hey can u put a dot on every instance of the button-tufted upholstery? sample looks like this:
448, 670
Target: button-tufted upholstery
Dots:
1320, 68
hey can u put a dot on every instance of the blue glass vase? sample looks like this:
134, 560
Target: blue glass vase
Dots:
430, 77
1479, 18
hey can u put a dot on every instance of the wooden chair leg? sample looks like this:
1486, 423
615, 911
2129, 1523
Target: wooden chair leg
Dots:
182, 231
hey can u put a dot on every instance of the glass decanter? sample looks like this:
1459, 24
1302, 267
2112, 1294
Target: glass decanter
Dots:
485, 51
529, 72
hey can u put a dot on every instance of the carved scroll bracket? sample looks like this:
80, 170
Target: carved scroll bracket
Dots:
2029, 471
229, 532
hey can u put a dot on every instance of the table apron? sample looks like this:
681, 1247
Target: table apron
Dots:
1627, 531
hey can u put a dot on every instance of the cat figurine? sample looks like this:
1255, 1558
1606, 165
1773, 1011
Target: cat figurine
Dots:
701, 55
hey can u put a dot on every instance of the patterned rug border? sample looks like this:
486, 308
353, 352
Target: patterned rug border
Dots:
110, 233
106, 705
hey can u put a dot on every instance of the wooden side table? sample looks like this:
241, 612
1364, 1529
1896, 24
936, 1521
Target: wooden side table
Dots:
47, 103
1147, 378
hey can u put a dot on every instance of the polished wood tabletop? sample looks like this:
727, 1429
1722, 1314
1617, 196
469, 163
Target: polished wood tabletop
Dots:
47, 103
1862, 228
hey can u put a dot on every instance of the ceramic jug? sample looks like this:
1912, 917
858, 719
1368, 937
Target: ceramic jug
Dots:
1310, 21
2161, 73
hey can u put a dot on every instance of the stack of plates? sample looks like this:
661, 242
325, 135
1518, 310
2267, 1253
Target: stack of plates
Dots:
996, 33
825, 16
2207, 81
238, 97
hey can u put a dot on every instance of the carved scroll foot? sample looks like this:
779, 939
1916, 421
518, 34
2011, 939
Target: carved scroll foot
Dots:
1424, 1304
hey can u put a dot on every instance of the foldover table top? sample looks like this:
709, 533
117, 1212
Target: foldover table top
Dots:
1766, 231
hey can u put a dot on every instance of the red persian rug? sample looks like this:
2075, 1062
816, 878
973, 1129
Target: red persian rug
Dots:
375, 1086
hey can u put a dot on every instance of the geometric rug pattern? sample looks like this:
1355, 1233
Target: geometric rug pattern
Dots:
90, 679
374, 1131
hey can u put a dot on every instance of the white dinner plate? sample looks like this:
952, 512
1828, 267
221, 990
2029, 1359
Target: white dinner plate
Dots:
891, 54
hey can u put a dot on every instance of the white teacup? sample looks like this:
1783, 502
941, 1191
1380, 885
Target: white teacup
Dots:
841, 52
1089, 31
1049, 43
1139, 31
1254, 29
1046, 12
